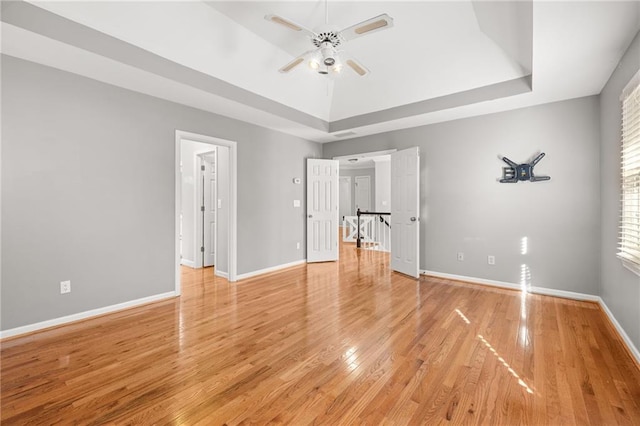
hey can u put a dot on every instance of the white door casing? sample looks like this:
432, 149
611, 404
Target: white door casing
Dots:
345, 197
209, 212
322, 210
405, 211
363, 193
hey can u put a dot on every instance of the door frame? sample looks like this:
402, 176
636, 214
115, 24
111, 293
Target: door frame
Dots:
233, 200
366, 154
199, 257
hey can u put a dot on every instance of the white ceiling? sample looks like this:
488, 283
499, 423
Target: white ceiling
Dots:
440, 60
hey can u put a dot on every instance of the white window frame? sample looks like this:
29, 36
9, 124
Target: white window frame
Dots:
629, 238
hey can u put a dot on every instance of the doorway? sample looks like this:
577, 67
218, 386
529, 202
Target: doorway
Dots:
225, 251
363, 193
402, 183
344, 202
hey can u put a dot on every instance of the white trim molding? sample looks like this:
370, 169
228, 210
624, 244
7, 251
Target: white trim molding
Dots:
549, 292
632, 266
271, 269
531, 289
221, 274
623, 334
85, 315
187, 263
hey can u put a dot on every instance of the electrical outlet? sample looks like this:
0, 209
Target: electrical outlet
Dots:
65, 287
491, 260
298, 246
460, 256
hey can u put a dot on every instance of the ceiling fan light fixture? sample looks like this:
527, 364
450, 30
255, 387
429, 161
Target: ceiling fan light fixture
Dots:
328, 53
324, 58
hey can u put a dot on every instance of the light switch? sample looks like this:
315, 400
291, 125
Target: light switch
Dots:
296, 203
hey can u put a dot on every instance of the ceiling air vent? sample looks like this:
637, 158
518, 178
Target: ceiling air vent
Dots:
343, 134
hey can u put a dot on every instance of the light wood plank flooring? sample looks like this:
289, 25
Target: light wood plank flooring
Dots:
334, 343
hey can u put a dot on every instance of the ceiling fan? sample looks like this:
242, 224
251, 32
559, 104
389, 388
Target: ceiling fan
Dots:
325, 56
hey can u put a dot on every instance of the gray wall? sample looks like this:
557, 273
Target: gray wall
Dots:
620, 287
371, 172
464, 208
88, 192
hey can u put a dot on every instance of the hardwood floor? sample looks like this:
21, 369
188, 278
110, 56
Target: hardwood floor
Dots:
347, 343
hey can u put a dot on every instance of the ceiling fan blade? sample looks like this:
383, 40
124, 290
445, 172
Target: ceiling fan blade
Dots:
369, 26
288, 23
297, 61
356, 66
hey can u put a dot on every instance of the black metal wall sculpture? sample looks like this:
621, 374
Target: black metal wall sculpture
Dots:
516, 172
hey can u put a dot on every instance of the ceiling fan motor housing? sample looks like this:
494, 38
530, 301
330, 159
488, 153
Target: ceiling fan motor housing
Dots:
332, 37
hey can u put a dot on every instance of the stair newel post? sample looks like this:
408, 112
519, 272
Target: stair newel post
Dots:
358, 238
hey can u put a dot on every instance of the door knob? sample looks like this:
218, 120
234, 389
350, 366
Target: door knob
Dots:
413, 219
310, 216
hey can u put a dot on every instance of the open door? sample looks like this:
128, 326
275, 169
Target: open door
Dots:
405, 211
208, 209
322, 210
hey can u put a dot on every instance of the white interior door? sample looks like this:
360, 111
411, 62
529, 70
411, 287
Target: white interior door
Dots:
322, 210
405, 211
363, 193
345, 197
209, 209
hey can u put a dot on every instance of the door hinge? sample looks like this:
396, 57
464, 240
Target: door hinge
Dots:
202, 249
202, 168
201, 208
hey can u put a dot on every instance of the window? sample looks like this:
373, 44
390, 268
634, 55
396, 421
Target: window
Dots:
629, 246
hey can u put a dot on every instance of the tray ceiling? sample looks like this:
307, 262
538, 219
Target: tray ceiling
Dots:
440, 60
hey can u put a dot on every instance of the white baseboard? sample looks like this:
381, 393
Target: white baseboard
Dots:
532, 289
625, 337
221, 274
474, 280
271, 269
189, 263
549, 292
84, 315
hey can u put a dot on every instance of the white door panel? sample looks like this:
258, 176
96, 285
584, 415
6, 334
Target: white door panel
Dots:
405, 212
209, 182
322, 210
